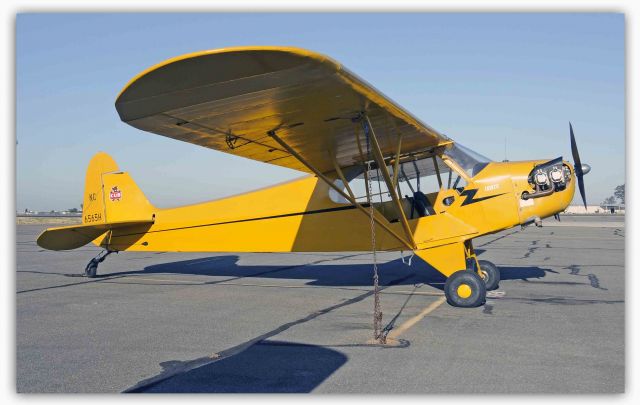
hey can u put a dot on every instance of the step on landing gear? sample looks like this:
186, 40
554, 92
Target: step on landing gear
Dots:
465, 289
92, 267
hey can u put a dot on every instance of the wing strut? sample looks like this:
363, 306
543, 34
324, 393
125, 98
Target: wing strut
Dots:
341, 175
396, 163
435, 164
377, 154
380, 221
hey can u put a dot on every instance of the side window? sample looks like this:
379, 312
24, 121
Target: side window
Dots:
423, 176
356, 182
454, 180
429, 175
419, 182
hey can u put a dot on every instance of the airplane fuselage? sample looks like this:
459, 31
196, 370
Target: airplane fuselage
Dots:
300, 216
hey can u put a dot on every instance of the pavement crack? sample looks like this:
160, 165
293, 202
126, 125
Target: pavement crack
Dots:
594, 281
563, 301
529, 252
69, 284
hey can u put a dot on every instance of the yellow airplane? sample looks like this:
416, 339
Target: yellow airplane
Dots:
376, 178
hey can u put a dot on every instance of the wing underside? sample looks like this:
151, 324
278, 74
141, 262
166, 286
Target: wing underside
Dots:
229, 99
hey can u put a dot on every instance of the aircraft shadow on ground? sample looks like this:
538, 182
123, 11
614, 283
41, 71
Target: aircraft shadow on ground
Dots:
265, 367
322, 274
273, 366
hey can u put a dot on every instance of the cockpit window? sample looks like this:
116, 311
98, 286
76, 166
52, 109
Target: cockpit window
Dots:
419, 181
469, 161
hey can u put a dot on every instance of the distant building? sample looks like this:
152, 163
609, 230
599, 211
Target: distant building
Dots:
52, 213
595, 209
613, 208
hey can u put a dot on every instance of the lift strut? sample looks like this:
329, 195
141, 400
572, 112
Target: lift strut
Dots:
379, 158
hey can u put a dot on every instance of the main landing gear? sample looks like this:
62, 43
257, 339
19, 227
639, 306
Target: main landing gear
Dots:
92, 267
465, 289
468, 289
468, 279
490, 274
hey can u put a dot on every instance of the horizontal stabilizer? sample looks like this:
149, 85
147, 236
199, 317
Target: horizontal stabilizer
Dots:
75, 236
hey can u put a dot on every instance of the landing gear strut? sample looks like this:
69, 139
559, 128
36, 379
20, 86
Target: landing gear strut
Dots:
92, 267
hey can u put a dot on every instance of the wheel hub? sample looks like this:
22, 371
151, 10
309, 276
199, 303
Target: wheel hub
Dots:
464, 291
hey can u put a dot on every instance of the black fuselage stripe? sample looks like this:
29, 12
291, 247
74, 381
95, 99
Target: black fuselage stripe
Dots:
292, 214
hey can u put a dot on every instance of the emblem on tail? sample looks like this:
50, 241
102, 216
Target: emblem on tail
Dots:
115, 194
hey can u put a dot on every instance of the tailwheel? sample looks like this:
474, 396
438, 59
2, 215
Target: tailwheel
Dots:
92, 268
465, 289
490, 274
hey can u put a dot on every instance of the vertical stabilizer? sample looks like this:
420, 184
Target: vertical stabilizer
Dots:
111, 195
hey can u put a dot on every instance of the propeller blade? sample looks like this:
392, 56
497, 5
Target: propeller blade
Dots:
574, 151
582, 194
577, 166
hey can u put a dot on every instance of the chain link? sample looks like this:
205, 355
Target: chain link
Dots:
378, 336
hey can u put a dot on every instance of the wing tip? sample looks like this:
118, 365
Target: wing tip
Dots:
267, 48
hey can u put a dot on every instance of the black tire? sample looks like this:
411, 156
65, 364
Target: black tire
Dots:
92, 269
490, 274
465, 289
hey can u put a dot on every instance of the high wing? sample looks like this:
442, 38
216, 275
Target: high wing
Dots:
229, 99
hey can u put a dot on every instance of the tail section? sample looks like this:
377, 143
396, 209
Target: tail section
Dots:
111, 195
111, 200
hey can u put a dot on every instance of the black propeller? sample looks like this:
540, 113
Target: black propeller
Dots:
579, 169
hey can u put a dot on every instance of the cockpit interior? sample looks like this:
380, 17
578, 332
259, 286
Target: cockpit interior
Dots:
420, 177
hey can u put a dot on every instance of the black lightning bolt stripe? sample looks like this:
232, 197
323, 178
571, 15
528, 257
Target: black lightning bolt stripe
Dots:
469, 194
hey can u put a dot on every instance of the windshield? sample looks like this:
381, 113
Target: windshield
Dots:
471, 162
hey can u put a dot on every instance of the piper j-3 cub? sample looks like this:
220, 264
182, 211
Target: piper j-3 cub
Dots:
372, 168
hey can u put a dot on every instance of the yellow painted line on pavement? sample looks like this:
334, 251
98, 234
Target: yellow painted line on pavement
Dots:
396, 332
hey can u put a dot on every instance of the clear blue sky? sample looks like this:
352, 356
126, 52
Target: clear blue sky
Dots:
479, 78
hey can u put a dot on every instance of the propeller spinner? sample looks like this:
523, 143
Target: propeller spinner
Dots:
579, 169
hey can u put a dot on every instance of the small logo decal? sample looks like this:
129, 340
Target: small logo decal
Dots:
115, 194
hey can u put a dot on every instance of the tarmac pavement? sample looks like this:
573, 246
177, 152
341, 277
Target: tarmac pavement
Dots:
177, 322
